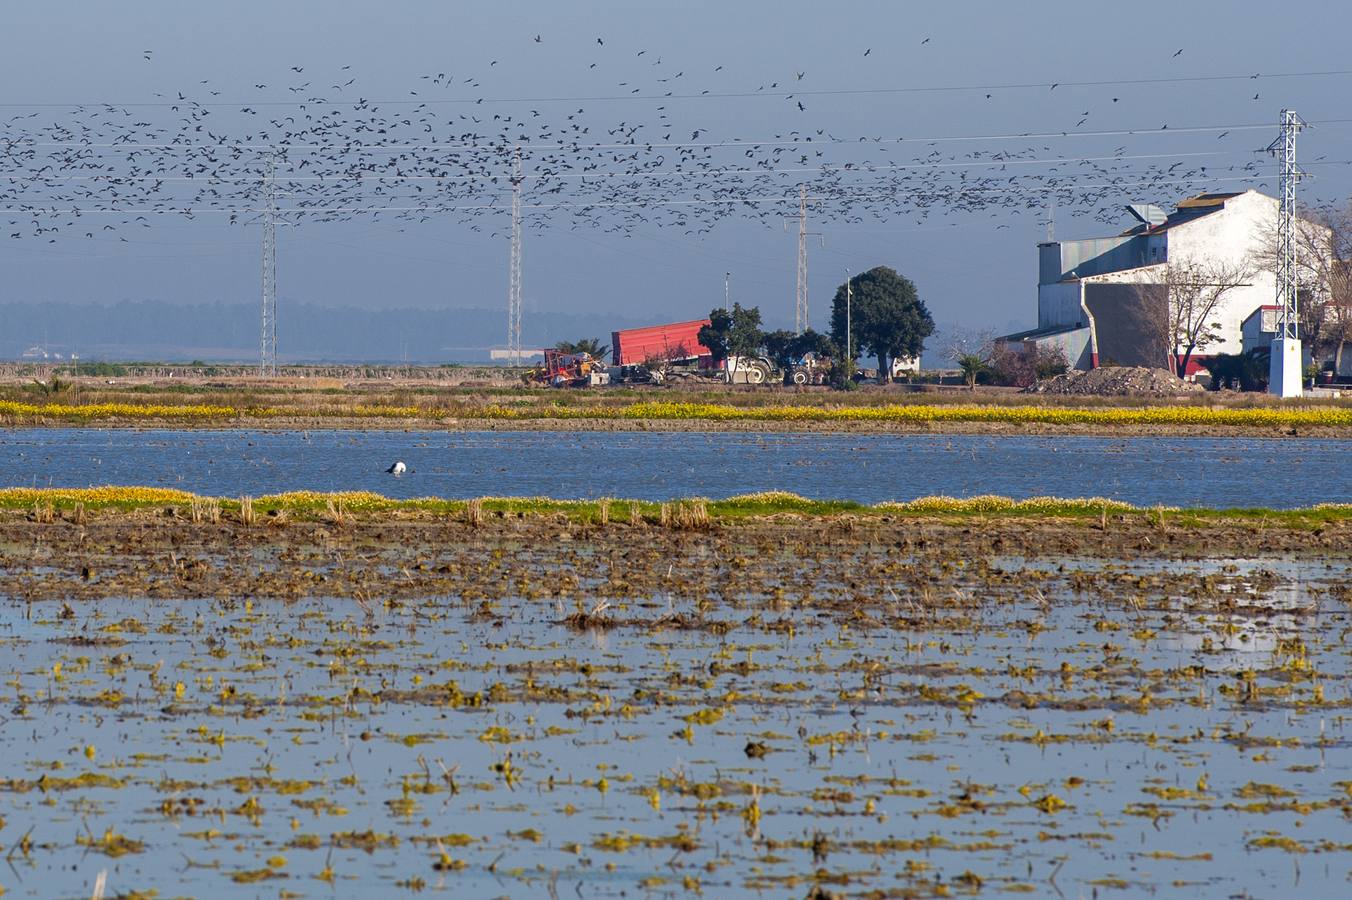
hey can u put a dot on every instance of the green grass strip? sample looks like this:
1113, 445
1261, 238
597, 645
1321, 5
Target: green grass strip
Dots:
689, 512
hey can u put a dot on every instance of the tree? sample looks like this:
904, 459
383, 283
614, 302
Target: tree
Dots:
887, 319
1015, 368
1246, 371
590, 346
782, 347
1194, 288
733, 335
1327, 277
1322, 240
972, 351
786, 349
973, 366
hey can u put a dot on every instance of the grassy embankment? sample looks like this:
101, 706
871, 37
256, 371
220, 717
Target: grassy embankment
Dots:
48, 504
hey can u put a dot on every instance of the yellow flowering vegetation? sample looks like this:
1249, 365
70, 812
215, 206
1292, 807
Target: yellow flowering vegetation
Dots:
94, 411
903, 414
351, 501
897, 414
94, 496
924, 413
991, 503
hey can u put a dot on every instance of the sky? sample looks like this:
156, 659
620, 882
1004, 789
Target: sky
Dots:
974, 268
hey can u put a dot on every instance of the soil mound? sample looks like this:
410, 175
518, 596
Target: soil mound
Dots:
1117, 381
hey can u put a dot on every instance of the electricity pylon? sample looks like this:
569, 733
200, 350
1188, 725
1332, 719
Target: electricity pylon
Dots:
514, 277
267, 345
1285, 373
801, 320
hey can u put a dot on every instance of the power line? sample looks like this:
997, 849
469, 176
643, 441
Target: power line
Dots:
826, 168
526, 147
362, 102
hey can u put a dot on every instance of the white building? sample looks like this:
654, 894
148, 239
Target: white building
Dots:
1096, 296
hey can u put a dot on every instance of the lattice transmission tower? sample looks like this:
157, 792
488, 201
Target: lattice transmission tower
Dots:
801, 321
1285, 374
267, 346
1284, 148
514, 276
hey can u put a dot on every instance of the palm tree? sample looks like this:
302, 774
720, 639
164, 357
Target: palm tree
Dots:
590, 346
973, 366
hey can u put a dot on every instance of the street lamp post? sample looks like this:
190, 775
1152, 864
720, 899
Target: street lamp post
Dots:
849, 335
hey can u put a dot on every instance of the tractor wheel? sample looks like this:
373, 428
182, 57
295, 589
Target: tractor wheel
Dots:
755, 373
800, 376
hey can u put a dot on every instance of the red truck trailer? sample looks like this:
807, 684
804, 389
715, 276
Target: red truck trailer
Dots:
670, 343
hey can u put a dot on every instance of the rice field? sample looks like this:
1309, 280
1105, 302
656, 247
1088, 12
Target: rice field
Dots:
345, 695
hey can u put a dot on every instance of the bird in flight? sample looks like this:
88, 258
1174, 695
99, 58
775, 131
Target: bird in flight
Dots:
539, 40
800, 75
924, 42
1178, 54
868, 51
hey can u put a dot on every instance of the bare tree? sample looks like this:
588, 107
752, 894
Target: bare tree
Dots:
1195, 289
1334, 278
1323, 246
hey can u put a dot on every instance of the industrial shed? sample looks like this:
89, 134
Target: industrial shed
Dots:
1097, 297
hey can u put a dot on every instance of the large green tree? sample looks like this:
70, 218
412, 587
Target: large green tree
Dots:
786, 348
735, 333
887, 318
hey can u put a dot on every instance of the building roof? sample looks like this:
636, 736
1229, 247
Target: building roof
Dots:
1187, 210
1041, 332
1258, 311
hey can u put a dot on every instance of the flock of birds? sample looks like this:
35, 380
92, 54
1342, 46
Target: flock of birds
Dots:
448, 151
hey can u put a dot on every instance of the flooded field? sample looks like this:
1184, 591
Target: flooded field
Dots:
786, 708
1218, 472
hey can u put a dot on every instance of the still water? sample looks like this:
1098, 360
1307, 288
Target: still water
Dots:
1222, 472
219, 748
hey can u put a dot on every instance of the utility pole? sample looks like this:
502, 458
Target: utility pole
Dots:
1285, 374
267, 349
1051, 220
849, 331
514, 277
727, 292
800, 310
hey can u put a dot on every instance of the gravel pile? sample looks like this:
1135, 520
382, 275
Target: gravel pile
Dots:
1115, 381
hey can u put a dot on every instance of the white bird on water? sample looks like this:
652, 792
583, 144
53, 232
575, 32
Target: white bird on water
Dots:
398, 468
